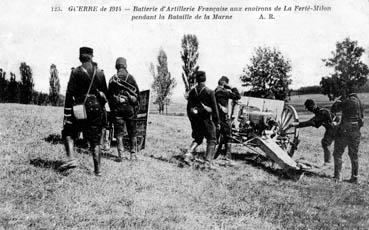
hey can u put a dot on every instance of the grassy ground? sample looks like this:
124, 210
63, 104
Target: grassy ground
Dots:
156, 194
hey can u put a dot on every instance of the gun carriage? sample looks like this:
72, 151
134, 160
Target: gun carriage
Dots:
263, 126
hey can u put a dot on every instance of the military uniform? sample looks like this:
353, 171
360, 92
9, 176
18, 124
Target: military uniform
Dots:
123, 104
348, 134
323, 117
203, 114
78, 84
94, 100
223, 94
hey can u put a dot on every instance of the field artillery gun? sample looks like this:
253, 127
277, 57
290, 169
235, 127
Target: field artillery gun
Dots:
263, 126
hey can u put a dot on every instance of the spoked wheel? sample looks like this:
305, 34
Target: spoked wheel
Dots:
288, 137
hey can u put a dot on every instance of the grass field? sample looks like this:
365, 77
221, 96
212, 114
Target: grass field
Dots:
153, 193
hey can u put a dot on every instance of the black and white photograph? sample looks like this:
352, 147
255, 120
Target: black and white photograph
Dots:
158, 114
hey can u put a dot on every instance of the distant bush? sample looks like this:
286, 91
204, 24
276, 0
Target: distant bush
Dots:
13, 91
314, 89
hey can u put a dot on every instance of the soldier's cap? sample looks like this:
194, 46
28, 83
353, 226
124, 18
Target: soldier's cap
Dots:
223, 78
309, 103
121, 61
200, 76
86, 50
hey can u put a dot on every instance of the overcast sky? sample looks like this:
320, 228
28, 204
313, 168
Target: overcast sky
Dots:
30, 32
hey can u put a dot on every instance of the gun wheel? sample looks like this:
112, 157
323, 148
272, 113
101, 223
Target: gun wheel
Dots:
288, 137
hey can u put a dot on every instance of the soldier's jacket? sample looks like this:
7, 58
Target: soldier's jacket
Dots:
323, 117
223, 95
352, 109
201, 94
78, 84
116, 91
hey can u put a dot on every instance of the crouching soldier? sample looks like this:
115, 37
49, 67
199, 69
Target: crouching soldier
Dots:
123, 98
223, 93
203, 114
348, 134
83, 111
323, 117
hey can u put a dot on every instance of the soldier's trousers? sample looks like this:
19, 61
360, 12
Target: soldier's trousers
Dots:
347, 136
130, 124
327, 141
203, 128
225, 130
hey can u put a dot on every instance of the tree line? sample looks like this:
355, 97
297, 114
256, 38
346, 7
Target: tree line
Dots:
268, 73
22, 91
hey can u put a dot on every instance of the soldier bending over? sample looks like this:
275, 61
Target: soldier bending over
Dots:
323, 117
223, 93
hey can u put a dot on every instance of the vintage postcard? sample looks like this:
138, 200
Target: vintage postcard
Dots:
159, 114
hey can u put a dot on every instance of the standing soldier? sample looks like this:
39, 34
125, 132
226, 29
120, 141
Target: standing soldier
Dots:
348, 134
86, 87
323, 117
203, 114
123, 96
223, 93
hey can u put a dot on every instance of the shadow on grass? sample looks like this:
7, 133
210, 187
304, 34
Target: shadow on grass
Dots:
110, 156
54, 139
107, 154
255, 160
48, 164
267, 165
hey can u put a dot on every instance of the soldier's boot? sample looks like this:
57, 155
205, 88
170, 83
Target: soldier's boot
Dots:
354, 171
104, 141
120, 155
120, 148
69, 149
133, 151
188, 156
210, 153
96, 156
229, 151
337, 170
229, 154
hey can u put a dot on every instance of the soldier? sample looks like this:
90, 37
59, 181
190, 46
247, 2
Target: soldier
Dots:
123, 98
203, 114
323, 117
223, 93
348, 134
86, 87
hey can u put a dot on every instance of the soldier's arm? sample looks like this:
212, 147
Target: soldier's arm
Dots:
134, 83
68, 105
307, 123
232, 93
214, 107
103, 88
321, 118
134, 98
111, 93
337, 106
235, 95
361, 109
